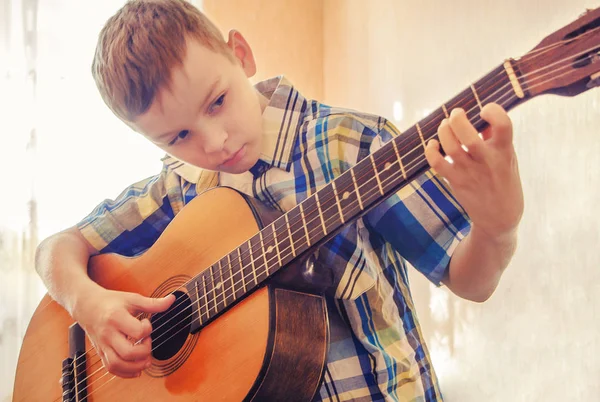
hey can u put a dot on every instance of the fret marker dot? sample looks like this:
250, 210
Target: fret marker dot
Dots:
387, 166
346, 195
270, 249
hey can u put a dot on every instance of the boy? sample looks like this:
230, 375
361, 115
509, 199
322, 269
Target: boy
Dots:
165, 70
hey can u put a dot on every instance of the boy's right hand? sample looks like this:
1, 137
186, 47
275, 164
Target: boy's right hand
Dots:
109, 319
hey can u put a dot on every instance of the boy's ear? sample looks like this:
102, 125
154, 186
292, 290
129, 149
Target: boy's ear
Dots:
242, 52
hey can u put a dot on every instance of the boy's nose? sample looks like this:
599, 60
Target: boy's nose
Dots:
214, 142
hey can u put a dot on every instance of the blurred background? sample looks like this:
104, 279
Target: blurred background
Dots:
536, 339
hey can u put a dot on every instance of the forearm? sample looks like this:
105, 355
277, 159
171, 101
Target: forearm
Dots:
61, 261
477, 264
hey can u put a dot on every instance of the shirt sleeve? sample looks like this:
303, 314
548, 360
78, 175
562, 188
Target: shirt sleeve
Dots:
131, 223
423, 221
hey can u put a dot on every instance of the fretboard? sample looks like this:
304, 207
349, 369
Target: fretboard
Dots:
344, 199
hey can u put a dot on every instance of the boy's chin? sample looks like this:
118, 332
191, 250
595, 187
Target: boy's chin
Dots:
242, 167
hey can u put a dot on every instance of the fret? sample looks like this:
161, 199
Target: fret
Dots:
384, 162
421, 135
476, 96
231, 278
313, 221
337, 201
253, 265
376, 174
348, 197
399, 158
247, 265
368, 187
221, 284
297, 231
360, 204
465, 100
199, 305
257, 244
445, 111
240, 272
275, 240
206, 300
320, 213
304, 224
329, 208
264, 253
412, 150
282, 241
212, 279
287, 222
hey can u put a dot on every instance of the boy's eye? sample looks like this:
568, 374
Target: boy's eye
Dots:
217, 103
182, 134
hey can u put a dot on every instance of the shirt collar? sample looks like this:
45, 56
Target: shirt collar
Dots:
281, 123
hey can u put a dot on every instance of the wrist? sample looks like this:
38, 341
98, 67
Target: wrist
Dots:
82, 294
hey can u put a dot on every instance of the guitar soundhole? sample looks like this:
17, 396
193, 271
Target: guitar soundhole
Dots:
171, 328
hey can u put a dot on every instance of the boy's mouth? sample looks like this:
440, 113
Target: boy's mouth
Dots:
235, 158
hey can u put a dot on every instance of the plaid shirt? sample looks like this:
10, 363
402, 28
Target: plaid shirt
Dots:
377, 351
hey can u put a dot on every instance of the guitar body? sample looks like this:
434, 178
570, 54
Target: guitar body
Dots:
271, 345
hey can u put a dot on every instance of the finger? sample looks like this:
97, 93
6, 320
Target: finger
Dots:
500, 130
117, 366
147, 342
436, 160
466, 133
452, 147
134, 328
150, 304
129, 351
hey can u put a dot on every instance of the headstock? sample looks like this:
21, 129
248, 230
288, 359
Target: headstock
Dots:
566, 62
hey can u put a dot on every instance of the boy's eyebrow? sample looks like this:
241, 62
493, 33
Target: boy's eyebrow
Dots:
210, 92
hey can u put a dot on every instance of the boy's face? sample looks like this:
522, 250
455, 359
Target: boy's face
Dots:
211, 115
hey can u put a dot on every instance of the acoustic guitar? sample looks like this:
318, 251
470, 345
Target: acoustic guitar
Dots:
235, 332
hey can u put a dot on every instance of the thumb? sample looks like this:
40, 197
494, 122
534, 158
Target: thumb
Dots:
151, 304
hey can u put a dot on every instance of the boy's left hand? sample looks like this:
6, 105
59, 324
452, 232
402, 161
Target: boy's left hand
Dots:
485, 180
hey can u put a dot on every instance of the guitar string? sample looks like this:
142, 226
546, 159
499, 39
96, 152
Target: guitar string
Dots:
371, 191
113, 377
375, 190
418, 146
233, 284
258, 259
221, 273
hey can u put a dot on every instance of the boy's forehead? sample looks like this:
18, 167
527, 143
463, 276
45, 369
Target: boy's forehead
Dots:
190, 84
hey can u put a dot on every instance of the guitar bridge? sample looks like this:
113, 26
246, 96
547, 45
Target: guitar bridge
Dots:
74, 374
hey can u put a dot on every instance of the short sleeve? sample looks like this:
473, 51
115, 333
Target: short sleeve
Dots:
132, 222
423, 221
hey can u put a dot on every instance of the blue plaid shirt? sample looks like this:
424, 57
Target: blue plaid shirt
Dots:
377, 351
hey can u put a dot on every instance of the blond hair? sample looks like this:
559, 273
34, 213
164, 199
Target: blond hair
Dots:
139, 46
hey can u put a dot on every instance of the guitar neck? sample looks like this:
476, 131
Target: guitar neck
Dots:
315, 220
